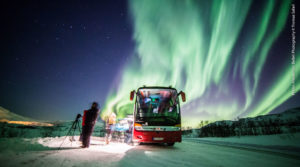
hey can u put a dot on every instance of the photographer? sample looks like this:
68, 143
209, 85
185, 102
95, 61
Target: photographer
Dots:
88, 122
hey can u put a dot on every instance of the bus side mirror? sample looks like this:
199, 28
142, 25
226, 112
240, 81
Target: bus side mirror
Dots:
182, 96
132, 95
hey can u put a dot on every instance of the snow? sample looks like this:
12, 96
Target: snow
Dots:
46, 152
58, 153
23, 145
291, 140
97, 144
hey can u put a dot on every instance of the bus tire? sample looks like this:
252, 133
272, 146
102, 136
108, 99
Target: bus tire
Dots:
170, 144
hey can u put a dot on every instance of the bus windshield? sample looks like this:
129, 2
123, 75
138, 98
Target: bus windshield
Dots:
157, 107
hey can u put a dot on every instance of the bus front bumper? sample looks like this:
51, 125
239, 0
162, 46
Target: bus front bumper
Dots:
156, 136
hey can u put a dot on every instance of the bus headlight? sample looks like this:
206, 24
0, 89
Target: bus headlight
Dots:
138, 126
178, 126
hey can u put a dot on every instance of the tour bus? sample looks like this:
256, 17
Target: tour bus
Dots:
157, 117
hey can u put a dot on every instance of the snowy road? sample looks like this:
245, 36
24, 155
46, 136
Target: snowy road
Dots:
187, 153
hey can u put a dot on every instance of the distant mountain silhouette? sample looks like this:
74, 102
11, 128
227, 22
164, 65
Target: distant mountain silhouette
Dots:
284, 122
292, 110
7, 115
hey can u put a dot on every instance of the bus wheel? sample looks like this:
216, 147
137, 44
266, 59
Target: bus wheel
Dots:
170, 144
136, 143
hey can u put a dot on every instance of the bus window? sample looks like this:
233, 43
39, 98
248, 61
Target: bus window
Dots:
157, 105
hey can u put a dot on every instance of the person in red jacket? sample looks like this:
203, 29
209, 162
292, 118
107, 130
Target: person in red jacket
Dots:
88, 122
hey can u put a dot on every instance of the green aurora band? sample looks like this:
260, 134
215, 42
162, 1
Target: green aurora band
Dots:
190, 44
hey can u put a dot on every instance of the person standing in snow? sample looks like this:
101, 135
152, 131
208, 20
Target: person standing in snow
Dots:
110, 125
88, 122
128, 138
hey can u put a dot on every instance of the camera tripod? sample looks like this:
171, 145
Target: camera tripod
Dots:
71, 132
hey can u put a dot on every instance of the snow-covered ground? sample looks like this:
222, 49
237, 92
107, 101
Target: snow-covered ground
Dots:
59, 151
46, 152
47, 146
289, 140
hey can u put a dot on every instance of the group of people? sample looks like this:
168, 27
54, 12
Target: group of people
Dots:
89, 120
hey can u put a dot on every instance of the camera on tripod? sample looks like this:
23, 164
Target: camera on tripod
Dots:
78, 116
71, 132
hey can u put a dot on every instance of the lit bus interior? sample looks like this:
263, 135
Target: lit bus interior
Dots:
157, 107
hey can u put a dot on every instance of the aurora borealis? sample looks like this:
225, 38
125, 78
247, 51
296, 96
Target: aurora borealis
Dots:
232, 58
221, 53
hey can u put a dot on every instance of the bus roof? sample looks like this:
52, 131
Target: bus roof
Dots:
156, 87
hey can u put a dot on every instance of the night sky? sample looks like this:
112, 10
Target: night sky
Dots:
59, 56
232, 58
